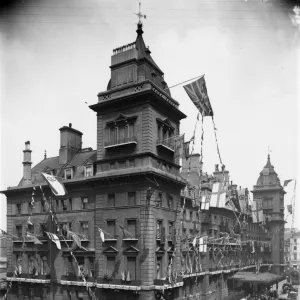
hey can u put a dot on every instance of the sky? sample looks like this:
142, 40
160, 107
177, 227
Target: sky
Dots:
55, 58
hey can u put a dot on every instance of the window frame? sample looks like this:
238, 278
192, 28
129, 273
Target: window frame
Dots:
71, 173
89, 173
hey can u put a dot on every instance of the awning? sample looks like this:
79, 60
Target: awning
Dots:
256, 278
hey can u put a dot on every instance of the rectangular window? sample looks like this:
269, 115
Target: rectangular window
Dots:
131, 198
64, 228
158, 229
131, 163
66, 205
111, 228
84, 202
57, 205
170, 201
19, 231
88, 171
295, 256
191, 216
122, 164
111, 200
84, 229
112, 165
295, 247
30, 228
159, 268
18, 208
110, 263
131, 267
92, 266
43, 228
159, 200
43, 206
131, 227
295, 241
170, 230
68, 173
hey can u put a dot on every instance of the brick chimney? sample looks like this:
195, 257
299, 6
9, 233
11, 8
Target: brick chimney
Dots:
221, 173
27, 164
70, 142
193, 162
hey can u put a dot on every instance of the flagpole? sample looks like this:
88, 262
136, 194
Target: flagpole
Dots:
183, 82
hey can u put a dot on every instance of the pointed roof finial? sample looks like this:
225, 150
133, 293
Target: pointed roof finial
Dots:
45, 155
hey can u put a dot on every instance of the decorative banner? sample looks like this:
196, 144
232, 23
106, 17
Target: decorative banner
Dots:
198, 94
57, 188
76, 239
218, 195
257, 212
34, 238
286, 182
178, 145
205, 202
242, 200
53, 237
101, 235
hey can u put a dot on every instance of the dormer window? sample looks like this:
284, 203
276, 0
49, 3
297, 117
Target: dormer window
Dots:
68, 173
88, 171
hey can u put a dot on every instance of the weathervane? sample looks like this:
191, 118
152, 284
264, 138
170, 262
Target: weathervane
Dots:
140, 15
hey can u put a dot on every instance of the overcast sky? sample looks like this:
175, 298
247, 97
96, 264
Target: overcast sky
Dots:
55, 56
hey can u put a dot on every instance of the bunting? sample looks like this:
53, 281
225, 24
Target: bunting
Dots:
34, 238
57, 188
76, 239
286, 182
54, 238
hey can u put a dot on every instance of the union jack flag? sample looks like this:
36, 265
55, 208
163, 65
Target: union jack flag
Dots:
198, 94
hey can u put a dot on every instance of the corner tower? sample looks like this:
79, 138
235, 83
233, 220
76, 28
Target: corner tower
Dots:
270, 191
137, 120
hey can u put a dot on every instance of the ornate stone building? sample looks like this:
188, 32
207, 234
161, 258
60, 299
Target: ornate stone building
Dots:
130, 188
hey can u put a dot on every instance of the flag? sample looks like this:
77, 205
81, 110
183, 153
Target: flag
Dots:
290, 208
186, 150
53, 237
76, 239
218, 195
205, 202
178, 145
57, 188
34, 238
198, 94
3, 232
194, 242
101, 234
257, 212
242, 200
286, 182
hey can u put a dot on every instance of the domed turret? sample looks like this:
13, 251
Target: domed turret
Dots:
268, 176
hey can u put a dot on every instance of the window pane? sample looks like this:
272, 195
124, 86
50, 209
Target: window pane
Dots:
131, 266
131, 198
131, 227
110, 264
111, 199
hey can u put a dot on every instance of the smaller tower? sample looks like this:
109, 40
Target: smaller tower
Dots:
269, 190
27, 165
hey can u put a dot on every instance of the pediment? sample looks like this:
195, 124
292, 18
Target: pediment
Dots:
121, 117
88, 162
110, 250
160, 250
131, 250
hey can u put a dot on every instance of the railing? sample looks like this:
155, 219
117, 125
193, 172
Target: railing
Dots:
120, 142
167, 143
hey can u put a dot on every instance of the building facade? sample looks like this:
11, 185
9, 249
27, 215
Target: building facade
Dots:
136, 218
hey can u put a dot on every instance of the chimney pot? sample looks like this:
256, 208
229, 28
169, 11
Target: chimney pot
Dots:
70, 125
27, 145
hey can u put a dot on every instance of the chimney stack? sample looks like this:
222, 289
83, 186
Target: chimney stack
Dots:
27, 164
70, 142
